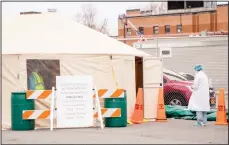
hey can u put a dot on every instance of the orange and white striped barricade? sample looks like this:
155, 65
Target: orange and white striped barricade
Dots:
40, 114
98, 107
99, 112
105, 93
108, 112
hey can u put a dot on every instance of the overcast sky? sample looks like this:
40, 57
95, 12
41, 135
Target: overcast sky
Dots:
109, 10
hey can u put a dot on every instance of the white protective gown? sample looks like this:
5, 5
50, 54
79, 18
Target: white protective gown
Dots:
199, 100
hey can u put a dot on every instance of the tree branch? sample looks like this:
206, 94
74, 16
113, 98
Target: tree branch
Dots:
87, 17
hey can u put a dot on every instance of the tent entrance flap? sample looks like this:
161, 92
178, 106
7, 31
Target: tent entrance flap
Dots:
152, 81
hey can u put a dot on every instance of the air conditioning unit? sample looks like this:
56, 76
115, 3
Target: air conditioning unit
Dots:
166, 52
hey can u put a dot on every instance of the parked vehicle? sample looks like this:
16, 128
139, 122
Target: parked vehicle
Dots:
188, 76
177, 89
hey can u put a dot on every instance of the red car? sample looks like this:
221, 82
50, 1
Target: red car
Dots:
177, 89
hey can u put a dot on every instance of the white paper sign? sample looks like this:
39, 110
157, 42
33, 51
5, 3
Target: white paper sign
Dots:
74, 101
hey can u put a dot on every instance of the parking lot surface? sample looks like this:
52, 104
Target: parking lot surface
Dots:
171, 132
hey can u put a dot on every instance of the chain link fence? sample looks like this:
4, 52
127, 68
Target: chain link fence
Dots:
180, 55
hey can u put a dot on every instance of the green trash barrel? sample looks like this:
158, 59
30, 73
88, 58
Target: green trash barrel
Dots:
18, 104
116, 103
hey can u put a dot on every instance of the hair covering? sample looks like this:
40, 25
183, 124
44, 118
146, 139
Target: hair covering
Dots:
198, 68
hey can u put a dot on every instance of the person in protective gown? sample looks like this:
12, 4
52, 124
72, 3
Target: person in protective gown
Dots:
199, 100
35, 80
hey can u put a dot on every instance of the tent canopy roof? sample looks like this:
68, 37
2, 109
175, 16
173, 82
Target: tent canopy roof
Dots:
50, 33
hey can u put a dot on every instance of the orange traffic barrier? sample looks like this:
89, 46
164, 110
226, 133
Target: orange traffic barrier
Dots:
138, 115
105, 93
35, 114
109, 112
161, 116
38, 94
221, 118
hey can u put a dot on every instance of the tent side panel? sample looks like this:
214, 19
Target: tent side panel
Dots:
125, 69
99, 66
35, 69
130, 84
10, 83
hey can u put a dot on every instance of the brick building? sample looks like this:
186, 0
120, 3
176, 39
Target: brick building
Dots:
179, 19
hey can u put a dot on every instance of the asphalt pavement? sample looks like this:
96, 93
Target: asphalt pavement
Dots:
171, 132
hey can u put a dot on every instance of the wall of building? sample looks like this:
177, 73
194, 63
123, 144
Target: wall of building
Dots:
149, 22
133, 12
222, 18
211, 21
190, 23
129, 42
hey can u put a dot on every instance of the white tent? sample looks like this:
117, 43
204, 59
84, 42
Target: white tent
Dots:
79, 50
50, 33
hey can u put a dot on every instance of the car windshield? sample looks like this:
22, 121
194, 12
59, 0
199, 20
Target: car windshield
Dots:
189, 77
173, 75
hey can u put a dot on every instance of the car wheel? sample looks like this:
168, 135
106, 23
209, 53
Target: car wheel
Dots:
175, 102
175, 99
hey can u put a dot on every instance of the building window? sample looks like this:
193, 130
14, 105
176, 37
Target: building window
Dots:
174, 5
195, 4
128, 31
179, 28
141, 30
167, 29
155, 30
